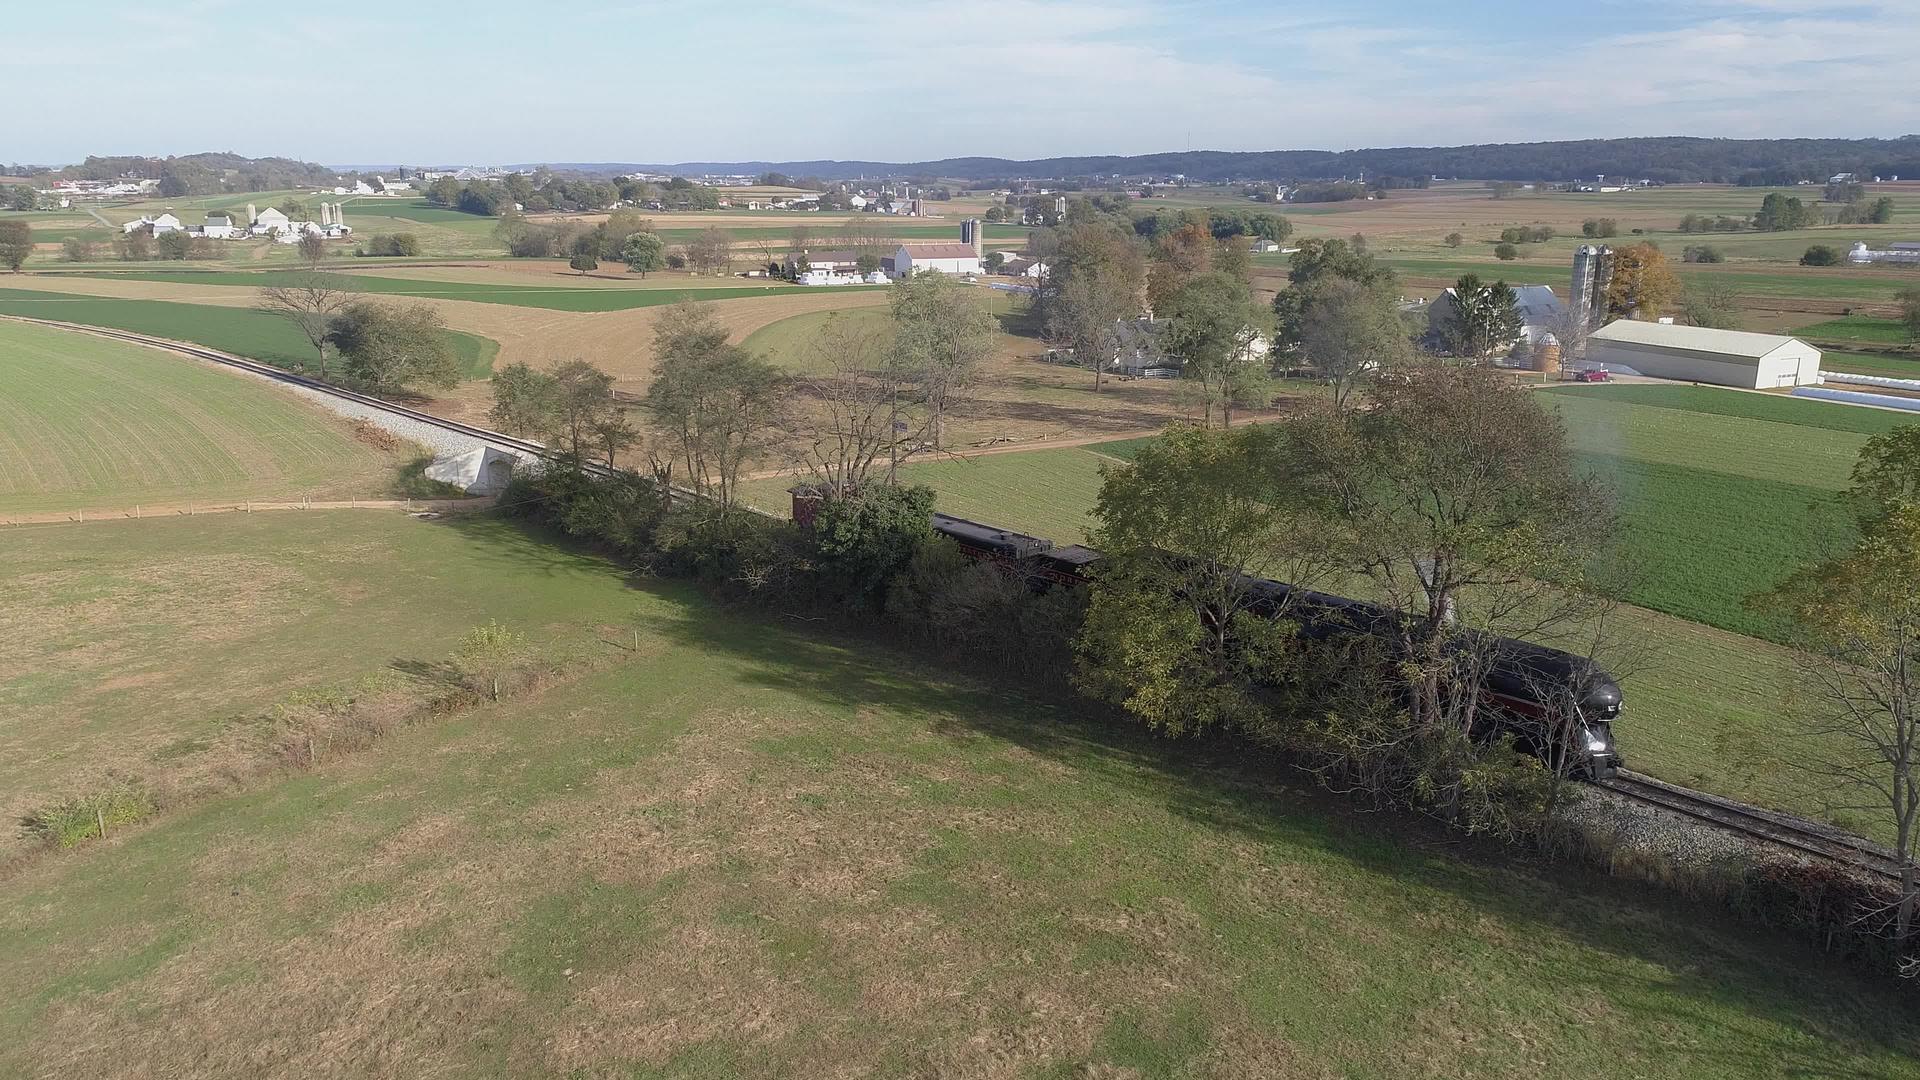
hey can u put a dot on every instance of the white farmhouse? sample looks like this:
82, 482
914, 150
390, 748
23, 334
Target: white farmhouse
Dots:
218, 227
1699, 354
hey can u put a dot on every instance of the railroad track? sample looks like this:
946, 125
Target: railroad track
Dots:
498, 439
268, 371
1782, 830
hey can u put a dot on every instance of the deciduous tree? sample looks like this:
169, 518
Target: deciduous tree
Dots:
1643, 284
1319, 261
1174, 632
488, 654
1909, 300
941, 336
713, 403
857, 409
1859, 704
1095, 282
390, 348
1350, 330
1711, 303
1456, 497
1178, 257
1211, 329
16, 244
644, 253
309, 300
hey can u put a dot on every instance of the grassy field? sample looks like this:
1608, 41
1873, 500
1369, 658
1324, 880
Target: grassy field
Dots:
553, 297
1883, 364
1044, 492
1861, 328
754, 850
88, 423
147, 648
246, 332
789, 342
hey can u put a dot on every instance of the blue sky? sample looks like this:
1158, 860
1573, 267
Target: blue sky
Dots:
456, 81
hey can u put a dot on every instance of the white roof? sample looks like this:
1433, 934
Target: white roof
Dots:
1693, 338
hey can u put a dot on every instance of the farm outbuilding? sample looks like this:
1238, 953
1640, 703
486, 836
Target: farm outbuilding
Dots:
1699, 354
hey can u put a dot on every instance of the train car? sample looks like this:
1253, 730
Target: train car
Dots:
1534, 691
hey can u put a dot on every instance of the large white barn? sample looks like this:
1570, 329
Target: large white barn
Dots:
913, 259
1699, 354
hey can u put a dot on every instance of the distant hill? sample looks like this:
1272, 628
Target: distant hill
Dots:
1665, 159
205, 174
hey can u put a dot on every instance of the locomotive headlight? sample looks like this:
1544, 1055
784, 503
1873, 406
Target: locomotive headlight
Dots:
1596, 744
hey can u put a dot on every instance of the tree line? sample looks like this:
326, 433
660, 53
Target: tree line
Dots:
1672, 160
1439, 489
543, 191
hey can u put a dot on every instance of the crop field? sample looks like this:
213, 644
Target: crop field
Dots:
1723, 494
753, 849
555, 298
243, 331
1861, 328
89, 423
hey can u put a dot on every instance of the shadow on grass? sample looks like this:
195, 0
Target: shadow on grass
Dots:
1228, 788
1677, 952
410, 481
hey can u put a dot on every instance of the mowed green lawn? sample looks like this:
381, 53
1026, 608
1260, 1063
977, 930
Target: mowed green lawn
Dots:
554, 297
90, 423
752, 849
246, 332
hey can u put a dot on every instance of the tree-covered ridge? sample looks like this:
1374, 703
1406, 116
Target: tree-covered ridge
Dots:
204, 174
1670, 159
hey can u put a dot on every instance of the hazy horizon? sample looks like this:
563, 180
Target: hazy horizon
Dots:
441, 82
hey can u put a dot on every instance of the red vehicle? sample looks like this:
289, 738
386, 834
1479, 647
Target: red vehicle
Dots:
1590, 375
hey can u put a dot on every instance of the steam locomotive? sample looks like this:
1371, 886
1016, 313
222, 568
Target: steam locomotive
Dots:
1527, 687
